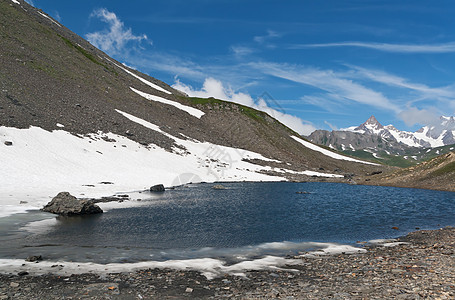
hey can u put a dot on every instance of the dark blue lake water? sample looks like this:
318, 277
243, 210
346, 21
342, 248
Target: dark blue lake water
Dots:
246, 219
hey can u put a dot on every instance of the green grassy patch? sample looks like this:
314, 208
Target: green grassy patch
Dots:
449, 168
87, 54
82, 51
248, 111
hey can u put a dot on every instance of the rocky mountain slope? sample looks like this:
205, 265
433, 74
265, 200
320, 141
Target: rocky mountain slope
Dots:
71, 116
371, 140
437, 173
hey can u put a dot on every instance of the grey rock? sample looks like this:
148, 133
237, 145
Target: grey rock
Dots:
66, 204
218, 187
22, 273
8, 143
157, 188
34, 258
342, 296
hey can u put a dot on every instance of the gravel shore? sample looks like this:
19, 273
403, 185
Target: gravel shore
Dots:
423, 266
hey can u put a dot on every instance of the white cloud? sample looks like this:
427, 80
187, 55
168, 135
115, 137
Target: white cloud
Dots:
241, 50
113, 39
412, 116
215, 88
398, 48
329, 81
263, 38
332, 127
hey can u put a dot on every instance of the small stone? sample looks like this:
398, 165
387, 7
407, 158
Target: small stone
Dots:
22, 273
342, 296
218, 187
14, 284
188, 290
34, 258
8, 143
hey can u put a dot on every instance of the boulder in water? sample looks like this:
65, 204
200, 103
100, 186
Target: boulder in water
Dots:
157, 188
67, 205
218, 187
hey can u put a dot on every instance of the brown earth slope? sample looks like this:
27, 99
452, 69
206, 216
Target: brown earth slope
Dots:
437, 174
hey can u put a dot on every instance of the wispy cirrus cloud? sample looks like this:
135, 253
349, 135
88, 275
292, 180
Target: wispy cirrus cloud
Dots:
115, 38
271, 34
242, 50
335, 84
396, 81
414, 103
386, 47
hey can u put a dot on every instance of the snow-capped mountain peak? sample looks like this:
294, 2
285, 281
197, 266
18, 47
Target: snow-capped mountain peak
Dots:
371, 126
434, 135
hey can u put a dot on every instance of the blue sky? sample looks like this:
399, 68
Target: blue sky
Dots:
331, 64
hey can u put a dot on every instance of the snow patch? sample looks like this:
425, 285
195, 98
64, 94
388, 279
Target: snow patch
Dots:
334, 249
15, 1
375, 155
209, 267
191, 110
329, 153
152, 85
386, 242
47, 17
140, 121
308, 173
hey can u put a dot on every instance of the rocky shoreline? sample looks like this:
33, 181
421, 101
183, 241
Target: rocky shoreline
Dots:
422, 265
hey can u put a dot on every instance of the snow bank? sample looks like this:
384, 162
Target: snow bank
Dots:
386, 242
334, 249
329, 153
47, 17
307, 172
150, 84
191, 110
249, 258
209, 267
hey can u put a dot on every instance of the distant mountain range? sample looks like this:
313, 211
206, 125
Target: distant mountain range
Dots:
385, 142
437, 135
